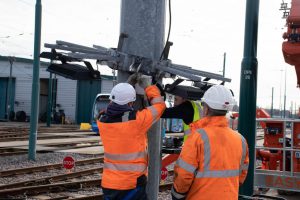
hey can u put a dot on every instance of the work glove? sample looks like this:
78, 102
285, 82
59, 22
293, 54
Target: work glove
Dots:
139, 90
144, 81
133, 79
162, 92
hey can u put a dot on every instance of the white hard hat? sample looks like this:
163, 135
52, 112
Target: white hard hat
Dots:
122, 94
219, 97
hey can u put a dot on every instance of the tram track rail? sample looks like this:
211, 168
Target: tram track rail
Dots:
9, 152
64, 187
62, 183
56, 187
27, 170
56, 147
59, 185
7, 132
52, 179
39, 137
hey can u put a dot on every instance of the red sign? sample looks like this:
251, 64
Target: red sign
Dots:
164, 174
68, 162
283, 182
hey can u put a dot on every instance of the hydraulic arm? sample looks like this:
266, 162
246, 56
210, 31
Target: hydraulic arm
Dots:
291, 45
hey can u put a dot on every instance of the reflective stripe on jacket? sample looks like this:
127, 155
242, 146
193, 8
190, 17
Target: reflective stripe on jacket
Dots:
197, 115
213, 162
125, 141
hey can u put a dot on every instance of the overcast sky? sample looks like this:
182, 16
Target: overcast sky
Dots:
201, 32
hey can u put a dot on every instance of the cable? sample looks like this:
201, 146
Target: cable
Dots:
170, 22
20, 34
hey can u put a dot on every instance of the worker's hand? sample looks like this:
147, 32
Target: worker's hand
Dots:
161, 89
144, 81
133, 79
139, 90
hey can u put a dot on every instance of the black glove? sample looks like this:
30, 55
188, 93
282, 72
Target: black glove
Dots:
144, 81
162, 92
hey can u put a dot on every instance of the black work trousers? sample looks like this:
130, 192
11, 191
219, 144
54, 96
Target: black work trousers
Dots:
138, 193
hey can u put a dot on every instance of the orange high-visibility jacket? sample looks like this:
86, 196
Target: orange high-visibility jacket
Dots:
213, 162
125, 143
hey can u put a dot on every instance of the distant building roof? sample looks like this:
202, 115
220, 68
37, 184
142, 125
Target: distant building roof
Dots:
24, 60
30, 61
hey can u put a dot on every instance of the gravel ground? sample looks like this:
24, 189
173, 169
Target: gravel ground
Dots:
165, 195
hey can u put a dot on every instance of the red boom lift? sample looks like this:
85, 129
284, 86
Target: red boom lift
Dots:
280, 153
291, 47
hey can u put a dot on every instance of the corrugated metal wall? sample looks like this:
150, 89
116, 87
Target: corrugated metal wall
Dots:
66, 96
23, 74
106, 86
23, 94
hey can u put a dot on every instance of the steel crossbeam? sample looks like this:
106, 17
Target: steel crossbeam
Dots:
130, 63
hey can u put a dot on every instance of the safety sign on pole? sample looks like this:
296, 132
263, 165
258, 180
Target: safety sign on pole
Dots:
68, 163
164, 174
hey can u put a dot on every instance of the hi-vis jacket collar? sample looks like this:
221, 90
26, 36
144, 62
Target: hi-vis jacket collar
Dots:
214, 121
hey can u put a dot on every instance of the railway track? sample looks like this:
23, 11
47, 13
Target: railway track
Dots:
51, 179
64, 187
66, 182
6, 137
11, 151
22, 130
39, 137
52, 187
55, 147
61, 184
19, 171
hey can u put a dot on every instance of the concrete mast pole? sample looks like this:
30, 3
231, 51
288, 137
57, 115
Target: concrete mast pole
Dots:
144, 22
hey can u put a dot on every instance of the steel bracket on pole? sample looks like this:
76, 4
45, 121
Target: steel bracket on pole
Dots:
118, 60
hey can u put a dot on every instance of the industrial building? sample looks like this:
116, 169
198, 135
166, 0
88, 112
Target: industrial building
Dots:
74, 97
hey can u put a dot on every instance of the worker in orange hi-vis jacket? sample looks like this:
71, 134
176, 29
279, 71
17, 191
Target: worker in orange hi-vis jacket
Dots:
123, 133
214, 159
